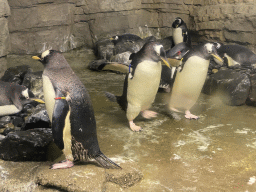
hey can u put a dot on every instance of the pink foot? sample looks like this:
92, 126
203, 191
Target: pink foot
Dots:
62, 165
134, 127
148, 114
188, 115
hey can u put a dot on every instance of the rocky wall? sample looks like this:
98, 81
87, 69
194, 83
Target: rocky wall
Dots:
36, 25
4, 35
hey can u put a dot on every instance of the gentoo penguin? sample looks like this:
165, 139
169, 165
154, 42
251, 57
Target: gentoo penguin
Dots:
180, 32
173, 56
124, 38
70, 110
142, 82
13, 97
236, 55
190, 78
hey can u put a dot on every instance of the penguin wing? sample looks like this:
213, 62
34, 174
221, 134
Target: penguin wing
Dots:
60, 112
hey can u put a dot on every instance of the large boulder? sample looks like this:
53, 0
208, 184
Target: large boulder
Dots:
233, 86
30, 145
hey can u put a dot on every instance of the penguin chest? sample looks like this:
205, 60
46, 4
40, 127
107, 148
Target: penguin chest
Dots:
49, 95
231, 62
177, 35
142, 88
189, 82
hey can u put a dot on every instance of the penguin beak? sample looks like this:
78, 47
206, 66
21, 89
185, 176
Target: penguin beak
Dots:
38, 100
216, 56
36, 58
111, 38
165, 62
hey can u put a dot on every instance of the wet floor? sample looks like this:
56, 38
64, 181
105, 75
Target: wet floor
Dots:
215, 153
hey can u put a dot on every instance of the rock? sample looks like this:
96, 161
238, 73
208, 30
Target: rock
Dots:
5, 119
252, 93
4, 36
8, 130
127, 177
30, 145
82, 178
16, 74
17, 121
34, 82
38, 118
233, 85
3, 66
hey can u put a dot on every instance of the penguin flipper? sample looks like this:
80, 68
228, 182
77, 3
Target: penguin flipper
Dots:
105, 162
60, 112
111, 96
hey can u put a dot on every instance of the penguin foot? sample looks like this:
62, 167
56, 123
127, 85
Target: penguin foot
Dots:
148, 114
134, 127
188, 115
62, 165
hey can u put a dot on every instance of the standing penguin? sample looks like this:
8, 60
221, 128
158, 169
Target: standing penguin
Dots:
70, 110
180, 32
190, 78
13, 97
142, 82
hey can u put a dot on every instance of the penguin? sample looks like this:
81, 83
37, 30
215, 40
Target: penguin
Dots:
125, 38
173, 56
71, 112
190, 78
141, 83
180, 32
236, 55
14, 97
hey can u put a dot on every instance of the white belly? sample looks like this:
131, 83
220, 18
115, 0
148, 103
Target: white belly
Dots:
49, 95
8, 110
177, 35
143, 87
189, 83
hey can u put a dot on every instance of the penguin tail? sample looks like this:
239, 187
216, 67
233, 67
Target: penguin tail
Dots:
111, 96
105, 162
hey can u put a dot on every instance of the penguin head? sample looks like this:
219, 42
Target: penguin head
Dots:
154, 51
25, 93
44, 57
177, 22
209, 50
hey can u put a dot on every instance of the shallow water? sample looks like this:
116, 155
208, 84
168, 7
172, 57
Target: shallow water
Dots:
215, 153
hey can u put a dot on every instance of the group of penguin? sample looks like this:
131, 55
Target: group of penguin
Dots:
70, 108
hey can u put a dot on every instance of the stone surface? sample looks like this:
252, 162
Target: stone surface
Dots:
27, 145
233, 86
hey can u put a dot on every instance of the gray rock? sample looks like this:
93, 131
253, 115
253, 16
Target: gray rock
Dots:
233, 85
4, 36
30, 145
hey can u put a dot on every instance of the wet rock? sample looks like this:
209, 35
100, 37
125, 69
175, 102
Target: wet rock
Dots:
38, 118
252, 94
30, 145
104, 49
34, 82
17, 121
89, 178
19, 176
233, 85
16, 74
127, 177
8, 130
5, 119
